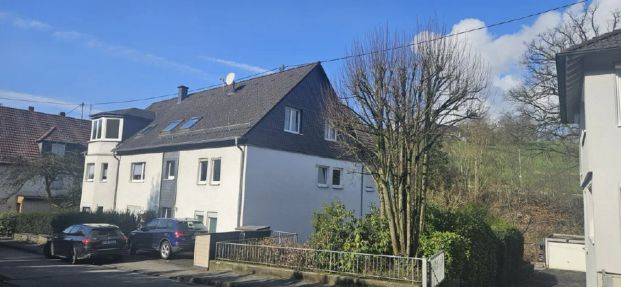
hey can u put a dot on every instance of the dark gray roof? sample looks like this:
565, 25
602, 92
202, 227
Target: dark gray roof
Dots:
131, 112
225, 114
610, 40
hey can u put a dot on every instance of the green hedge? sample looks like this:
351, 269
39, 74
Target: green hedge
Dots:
48, 222
456, 251
510, 255
7, 223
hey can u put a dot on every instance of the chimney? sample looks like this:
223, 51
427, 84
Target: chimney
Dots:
182, 93
31, 108
62, 114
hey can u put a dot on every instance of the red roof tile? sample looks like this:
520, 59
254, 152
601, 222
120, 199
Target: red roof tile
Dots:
21, 130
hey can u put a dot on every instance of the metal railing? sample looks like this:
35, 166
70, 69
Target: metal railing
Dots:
277, 238
358, 264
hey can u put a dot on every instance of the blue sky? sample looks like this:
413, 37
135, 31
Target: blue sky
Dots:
99, 51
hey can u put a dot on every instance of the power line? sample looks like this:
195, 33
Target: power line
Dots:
37, 101
371, 52
322, 61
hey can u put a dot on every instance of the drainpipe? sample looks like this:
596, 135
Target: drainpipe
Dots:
116, 179
361, 187
240, 197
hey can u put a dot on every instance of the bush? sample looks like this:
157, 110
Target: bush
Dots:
333, 227
49, 222
371, 235
456, 251
7, 223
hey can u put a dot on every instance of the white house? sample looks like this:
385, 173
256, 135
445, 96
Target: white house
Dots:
256, 152
589, 77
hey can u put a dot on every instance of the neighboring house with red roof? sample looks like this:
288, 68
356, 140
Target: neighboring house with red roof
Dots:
25, 135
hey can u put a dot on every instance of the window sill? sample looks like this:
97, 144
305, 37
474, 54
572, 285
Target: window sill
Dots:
201, 183
293, 132
322, 185
103, 180
214, 183
337, 186
330, 140
89, 180
137, 181
169, 179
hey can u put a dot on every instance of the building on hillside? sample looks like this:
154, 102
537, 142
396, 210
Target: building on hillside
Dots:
589, 77
256, 152
25, 135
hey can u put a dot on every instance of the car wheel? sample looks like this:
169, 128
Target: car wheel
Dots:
47, 250
165, 249
73, 257
132, 248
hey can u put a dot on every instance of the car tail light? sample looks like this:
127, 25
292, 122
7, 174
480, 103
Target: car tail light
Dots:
179, 234
87, 241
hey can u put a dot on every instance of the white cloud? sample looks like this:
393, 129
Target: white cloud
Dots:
246, 67
94, 43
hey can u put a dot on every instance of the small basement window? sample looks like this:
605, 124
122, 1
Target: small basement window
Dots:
190, 123
171, 126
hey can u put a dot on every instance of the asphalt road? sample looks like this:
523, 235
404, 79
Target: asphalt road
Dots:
19, 268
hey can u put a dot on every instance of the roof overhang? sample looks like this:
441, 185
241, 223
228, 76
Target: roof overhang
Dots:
570, 74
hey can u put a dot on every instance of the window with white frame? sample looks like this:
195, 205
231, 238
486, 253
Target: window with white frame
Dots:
215, 170
292, 120
199, 215
138, 171
106, 129
322, 176
104, 172
337, 174
330, 133
169, 172
203, 165
89, 173
212, 222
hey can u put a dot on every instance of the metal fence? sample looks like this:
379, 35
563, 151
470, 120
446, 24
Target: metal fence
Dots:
359, 264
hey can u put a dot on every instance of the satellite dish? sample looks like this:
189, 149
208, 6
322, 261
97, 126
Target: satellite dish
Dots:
230, 78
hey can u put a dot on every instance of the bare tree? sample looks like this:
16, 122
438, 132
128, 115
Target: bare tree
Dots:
49, 168
392, 108
537, 98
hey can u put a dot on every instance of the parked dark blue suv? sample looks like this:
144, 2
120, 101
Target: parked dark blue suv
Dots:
167, 236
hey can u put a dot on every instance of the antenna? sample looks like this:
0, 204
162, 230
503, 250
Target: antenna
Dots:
230, 79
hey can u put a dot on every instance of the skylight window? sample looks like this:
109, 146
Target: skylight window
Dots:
190, 123
171, 126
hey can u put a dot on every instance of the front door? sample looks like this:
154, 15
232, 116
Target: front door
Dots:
168, 188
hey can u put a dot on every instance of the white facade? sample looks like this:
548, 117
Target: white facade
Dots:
600, 157
592, 98
279, 189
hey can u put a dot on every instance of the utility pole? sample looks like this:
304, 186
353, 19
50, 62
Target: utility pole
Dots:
82, 108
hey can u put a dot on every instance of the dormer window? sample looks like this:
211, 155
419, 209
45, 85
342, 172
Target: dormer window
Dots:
190, 123
171, 126
106, 129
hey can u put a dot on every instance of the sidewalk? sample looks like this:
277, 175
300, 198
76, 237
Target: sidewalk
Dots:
179, 269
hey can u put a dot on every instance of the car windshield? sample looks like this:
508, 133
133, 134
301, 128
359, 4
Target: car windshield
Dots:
191, 225
99, 232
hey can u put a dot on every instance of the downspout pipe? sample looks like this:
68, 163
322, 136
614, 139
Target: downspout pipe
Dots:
242, 168
116, 179
361, 188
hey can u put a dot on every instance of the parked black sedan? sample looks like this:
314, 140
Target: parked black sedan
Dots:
87, 241
167, 236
